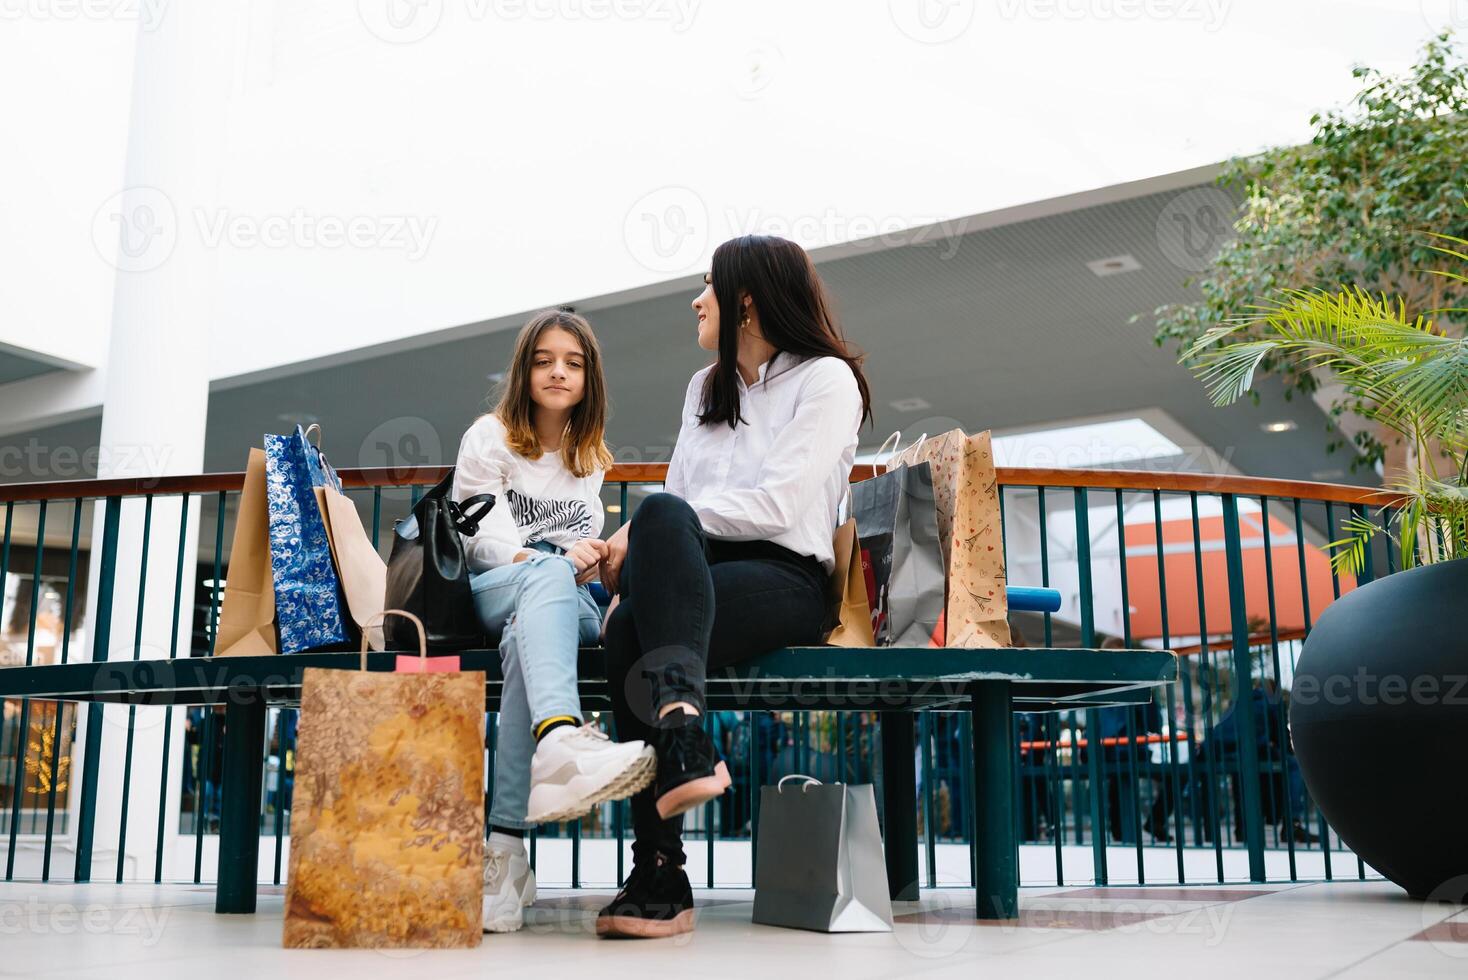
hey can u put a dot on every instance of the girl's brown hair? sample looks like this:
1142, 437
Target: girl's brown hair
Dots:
583, 446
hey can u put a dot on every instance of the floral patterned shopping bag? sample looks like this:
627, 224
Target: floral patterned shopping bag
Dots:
308, 592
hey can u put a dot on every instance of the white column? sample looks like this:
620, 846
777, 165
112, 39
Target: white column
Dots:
157, 392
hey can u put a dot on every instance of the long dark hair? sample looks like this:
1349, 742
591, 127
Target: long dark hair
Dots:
794, 316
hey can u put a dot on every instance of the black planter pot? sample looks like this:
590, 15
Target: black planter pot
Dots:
1379, 717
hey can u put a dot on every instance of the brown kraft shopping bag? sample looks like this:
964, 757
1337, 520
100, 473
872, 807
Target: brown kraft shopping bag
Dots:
848, 593
360, 568
247, 615
966, 491
387, 830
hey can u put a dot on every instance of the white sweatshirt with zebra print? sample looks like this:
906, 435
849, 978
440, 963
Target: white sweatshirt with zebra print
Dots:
535, 499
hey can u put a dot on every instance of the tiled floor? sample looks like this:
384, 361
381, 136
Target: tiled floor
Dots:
1342, 929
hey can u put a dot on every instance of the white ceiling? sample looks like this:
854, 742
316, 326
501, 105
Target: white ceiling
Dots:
1003, 328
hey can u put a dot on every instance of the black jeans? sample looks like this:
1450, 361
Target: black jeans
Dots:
689, 603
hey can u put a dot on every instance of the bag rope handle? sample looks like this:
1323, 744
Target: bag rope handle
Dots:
896, 440
897, 450
843, 507
780, 786
378, 617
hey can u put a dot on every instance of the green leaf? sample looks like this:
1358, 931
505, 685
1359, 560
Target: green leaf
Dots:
1349, 553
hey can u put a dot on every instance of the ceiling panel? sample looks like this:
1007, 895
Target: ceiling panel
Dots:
15, 366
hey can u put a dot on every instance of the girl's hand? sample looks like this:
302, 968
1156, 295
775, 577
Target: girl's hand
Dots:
586, 555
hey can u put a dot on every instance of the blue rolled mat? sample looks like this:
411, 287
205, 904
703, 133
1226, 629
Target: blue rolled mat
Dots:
1024, 599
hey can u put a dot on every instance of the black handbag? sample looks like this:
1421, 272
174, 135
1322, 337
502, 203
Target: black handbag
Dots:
428, 573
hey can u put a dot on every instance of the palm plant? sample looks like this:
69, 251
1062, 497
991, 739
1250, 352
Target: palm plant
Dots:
1408, 373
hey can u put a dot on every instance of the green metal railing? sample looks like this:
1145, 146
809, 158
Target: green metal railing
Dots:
1108, 793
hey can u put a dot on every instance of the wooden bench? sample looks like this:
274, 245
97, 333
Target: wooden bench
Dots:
990, 684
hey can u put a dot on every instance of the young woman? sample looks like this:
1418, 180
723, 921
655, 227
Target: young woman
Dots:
732, 560
541, 454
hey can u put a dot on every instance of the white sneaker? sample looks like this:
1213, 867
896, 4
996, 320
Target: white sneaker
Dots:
574, 769
509, 886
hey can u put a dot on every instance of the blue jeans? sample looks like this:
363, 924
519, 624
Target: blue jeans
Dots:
541, 616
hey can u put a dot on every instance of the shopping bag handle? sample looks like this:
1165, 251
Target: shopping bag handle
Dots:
375, 619
307, 435
843, 508
896, 440
780, 786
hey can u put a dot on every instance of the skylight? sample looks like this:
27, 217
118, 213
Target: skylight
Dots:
1119, 442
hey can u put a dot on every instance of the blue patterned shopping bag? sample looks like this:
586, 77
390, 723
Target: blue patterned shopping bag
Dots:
308, 603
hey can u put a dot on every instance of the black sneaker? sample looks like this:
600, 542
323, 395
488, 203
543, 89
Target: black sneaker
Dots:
690, 772
656, 901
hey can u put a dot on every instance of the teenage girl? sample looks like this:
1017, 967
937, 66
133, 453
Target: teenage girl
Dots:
541, 453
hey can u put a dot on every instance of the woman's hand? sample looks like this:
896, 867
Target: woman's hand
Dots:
616, 554
586, 555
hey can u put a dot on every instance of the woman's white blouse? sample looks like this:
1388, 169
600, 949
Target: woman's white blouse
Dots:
781, 473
